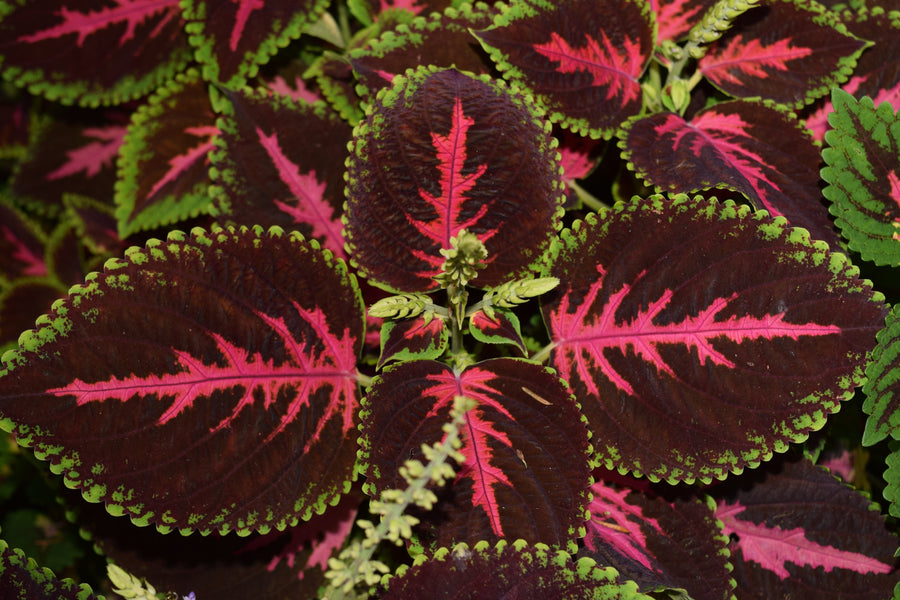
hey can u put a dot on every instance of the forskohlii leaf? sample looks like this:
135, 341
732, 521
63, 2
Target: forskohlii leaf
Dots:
418, 338
701, 338
22, 579
750, 147
659, 543
526, 471
500, 327
428, 162
507, 570
801, 533
92, 52
863, 173
232, 39
882, 388
281, 163
581, 59
163, 167
206, 382
789, 51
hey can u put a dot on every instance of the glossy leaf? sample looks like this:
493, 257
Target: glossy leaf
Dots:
526, 470
664, 338
90, 52
281, 163
413, 339
789, 51
22, 579
581, 59
882, 387
207, 382
507, 570
863, 173
427, 163
752, 148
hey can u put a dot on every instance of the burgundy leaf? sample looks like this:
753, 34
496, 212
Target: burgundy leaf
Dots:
412, 339
21, 303
428, 163
500, 327
15, 126
581, 59
526, 470
22, 246
220, 371
746, 146
675, 18
665, 338
96, 224
22, 578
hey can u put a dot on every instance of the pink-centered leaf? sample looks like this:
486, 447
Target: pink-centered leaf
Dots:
22, 246
95, 156
675, 18
413, 339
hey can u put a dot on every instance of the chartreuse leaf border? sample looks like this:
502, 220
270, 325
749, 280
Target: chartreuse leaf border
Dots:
882, 389
22, 576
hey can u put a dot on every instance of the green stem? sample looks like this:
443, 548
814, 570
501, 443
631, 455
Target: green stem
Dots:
363, 380
543, 354
586, 197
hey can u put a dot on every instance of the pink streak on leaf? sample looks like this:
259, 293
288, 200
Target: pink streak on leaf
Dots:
772, 547
182, 162
574, 334
576, 162
84, 24
309, 204
674, 20
751, 58
299, 90
245, 7
410, 5
895, 187
619, 524
451, 151
615, 67
34, 265
93, 157
817, 122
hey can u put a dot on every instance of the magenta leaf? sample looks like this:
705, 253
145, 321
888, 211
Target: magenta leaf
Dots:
526, 470
581, 60
800, 532
663, 338
93, 52
750, 147
267, 172
428, 163
791, 52
234, 344
413, 339
163, 173
500, 327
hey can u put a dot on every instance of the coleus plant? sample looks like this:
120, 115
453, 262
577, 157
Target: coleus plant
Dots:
257, 257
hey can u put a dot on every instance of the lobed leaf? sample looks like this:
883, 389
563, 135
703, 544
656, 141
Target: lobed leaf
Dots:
882, 388
22, 579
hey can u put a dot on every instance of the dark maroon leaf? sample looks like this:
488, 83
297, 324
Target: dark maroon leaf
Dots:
96, 224
789, 51
15, 126
428, 162
801, 533
92, 52
412, 339
581, 59
281, 163
22, 246
21, 303
675, 18
750, 147
207, 382
500, 327
22, 579
701, 338
526, 470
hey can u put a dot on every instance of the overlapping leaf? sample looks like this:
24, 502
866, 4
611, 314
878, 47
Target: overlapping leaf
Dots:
413, 339
863, 173
526, 471
581, 59
90, 52
789, 51
428, 162
750, 147
882, 387
22, 579
700, 339
676, 17
281, 163
206, 382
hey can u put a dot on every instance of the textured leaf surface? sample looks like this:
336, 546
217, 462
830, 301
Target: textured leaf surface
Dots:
744, 146
863, 173
92, 52
526, 470
428, 162
22, 579
676, 17
799, 532
664, 338
413, 339
882, 387
506, 570
659, 543
500, 327
203, 383
281, 163
791, 52
581, 59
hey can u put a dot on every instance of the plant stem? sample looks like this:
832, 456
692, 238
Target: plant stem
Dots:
543, 354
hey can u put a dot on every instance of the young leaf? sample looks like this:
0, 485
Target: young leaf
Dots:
22, 579
207, 382
750, 147
428, 162
581, 60
882, 387
526, 470
700, 339
501, 327
507, 570
418, 338
863, 173
90, 52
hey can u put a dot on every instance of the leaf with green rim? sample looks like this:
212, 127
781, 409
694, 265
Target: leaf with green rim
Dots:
863, 176
882, 388
22, 579
713, 343
413, 339
207, 382
500, 327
